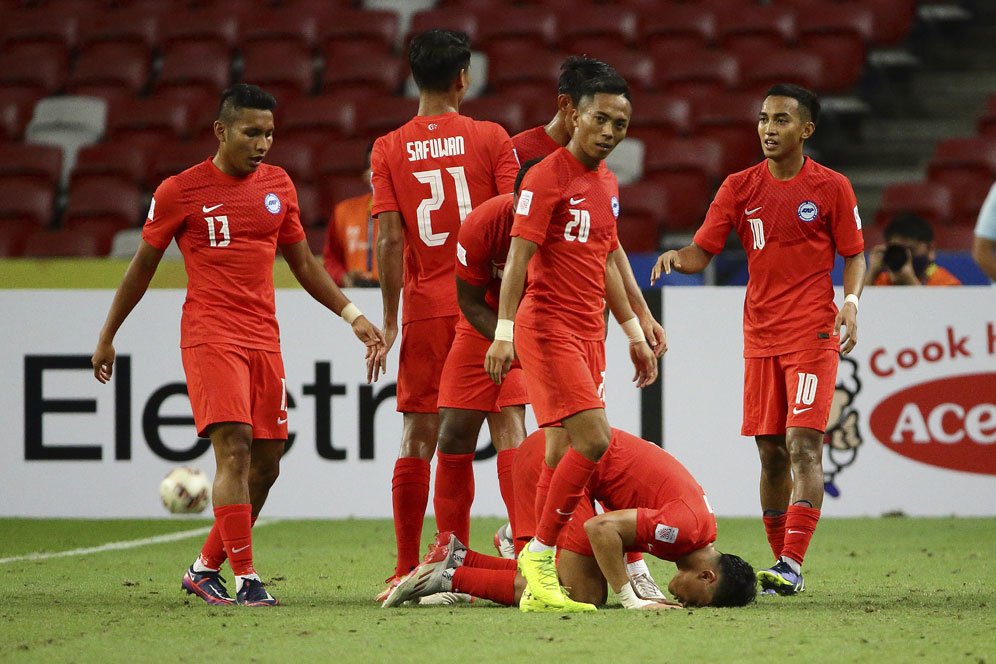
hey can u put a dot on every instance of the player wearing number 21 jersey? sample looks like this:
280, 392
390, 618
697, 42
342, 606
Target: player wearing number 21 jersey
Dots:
793, 216
427, 176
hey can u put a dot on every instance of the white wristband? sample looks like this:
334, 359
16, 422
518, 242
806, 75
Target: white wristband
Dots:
853, 299
350, 312
629, 600
633, 330
503, 330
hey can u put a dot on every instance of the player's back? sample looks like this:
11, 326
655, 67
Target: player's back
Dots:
483, 244
433, 171
534, 143
228, 229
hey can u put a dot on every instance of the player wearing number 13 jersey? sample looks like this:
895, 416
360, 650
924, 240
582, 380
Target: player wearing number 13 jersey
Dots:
792, 216
427, 175
229, 214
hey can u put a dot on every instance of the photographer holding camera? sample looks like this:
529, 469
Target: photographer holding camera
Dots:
907, 257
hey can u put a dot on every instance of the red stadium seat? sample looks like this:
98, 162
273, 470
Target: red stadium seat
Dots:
148, 118
375, 74
36, 70
380, 115
760, 28
350, 25
731, 119
326, 116
192, 25
294, 155
644, 202
457, 18
966, 165
927, 199
893, 18
987, 122
122, 66
658, 115
636, 67
107, 199
687, 169
309, 202
12, 236
101, 230
283, 70
638, 235
954, 238
175, 158
518, 29
592, 29
517, 70
966, 208
680, 26
26, 201
279, 26
506, 112
315, 235
130, 25
119, 160
40, 25
61, 244
29, 161
784, 66
205, 65
16, 105
689, 72
342, 157
839, 34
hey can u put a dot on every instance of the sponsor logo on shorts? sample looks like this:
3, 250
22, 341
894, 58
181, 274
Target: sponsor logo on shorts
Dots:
272, 203
666, 533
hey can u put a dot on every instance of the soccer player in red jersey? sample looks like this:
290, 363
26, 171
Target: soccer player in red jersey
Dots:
653, 505
467, 395
427, 177
792, 215
229, 214
543, 140
565, 232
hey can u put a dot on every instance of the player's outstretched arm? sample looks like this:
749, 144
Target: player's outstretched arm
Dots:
653, 330
475, 308
133, 286
643, 358
687, 260
610, 534
390, 267
499, 358
847, 317
317, 282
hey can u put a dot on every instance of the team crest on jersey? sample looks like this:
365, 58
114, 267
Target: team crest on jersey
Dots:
272, 203
615, 207
808, 211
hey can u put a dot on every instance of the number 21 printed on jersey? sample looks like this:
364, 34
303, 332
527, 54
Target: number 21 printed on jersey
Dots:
437, 195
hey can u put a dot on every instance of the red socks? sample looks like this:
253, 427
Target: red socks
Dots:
542, 490
566, 488
484, 561
774, 528
213, 554
410, 494
234, 524
454, 493
800, 523
505, 460
494, 584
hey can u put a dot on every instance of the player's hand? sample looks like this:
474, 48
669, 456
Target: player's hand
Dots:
103, 361
377, 365
374, 340
847, 317
645, 363
498, 360
660, 606
654, 332
665, 263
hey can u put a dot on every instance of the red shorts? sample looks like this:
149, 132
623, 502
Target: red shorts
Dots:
424, 346
566, 375
229, 383
790, 390
465, 384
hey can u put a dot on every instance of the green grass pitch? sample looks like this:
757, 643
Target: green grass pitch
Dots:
878, 590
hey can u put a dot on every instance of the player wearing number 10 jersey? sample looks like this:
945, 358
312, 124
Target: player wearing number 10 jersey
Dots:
427, 176
792, 216
229, 214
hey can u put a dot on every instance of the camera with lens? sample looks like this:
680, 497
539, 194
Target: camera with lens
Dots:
895, 257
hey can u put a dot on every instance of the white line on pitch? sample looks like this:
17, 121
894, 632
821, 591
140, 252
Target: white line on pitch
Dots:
118, 546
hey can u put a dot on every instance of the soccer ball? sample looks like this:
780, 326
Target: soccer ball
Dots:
185, 490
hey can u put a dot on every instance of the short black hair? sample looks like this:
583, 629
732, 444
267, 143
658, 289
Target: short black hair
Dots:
807, 98
908, 224
612, 84
243, 95
522, 172
737, 585
576, 70
436, 58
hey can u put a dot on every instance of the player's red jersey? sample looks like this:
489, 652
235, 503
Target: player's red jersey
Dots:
534, 143
433, 171
570, 212
790, 230
228, 229
482, 247
674, 517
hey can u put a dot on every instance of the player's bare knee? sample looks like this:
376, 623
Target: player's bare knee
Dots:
263, 477
774, 455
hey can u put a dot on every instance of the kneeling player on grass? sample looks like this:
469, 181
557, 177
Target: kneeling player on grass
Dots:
656, 506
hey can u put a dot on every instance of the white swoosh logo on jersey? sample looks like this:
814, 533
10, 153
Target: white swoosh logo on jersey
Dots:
754, 210
205, 209
576, 201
